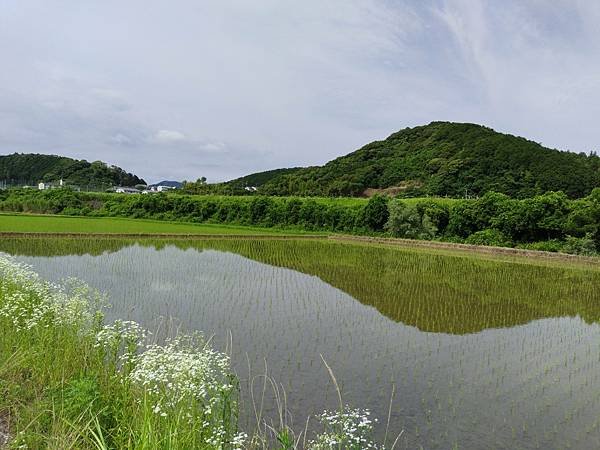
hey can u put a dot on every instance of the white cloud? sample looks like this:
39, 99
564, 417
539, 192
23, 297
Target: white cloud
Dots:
169, 136
212, 146
121, 139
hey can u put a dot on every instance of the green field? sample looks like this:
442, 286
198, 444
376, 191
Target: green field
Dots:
113, 225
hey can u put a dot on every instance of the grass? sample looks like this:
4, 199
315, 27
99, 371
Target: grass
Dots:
21, 223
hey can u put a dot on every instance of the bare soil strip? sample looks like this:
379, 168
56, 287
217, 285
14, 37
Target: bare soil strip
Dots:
4, 432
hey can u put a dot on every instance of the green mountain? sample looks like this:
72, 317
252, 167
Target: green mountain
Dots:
445, 159
21, 168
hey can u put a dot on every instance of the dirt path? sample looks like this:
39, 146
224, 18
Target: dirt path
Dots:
468, 248
4, 434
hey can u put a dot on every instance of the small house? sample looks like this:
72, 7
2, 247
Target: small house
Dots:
42, 185
126, 190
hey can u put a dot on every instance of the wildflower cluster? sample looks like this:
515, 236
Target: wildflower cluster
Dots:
186, 376
121, 340
348, 429
29, 302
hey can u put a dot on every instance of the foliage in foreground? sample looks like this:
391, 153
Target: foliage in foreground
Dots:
67, 380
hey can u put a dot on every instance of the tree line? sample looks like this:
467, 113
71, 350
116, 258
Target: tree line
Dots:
551, 221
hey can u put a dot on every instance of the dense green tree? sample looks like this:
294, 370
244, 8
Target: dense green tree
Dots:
375, 213
535, 219
463, 220
405, 221
489, 236
438, 213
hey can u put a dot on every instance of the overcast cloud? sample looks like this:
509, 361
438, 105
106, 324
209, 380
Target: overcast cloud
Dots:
189, 88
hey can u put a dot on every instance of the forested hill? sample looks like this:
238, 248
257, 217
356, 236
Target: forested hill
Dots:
260, 178
443, 158
20, 168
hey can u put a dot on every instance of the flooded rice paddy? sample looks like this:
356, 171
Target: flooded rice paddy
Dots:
480, 353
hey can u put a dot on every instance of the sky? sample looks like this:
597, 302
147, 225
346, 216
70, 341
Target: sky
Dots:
221, 88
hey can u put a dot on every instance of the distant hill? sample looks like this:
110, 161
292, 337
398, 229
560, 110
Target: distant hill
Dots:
259, 178
442, 158
20, 168
173, 184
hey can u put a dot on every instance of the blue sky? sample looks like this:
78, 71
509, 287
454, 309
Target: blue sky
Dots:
190, 88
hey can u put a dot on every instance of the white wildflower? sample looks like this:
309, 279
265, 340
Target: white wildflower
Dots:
30, 302
184, 376
349, 429
121, 340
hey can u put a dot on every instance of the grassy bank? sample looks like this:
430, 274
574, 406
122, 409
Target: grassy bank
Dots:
70, 381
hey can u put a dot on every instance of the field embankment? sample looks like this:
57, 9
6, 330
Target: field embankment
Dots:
457, 248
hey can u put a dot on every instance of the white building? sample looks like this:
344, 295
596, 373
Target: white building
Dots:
42, 186
160, 188
126, 190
